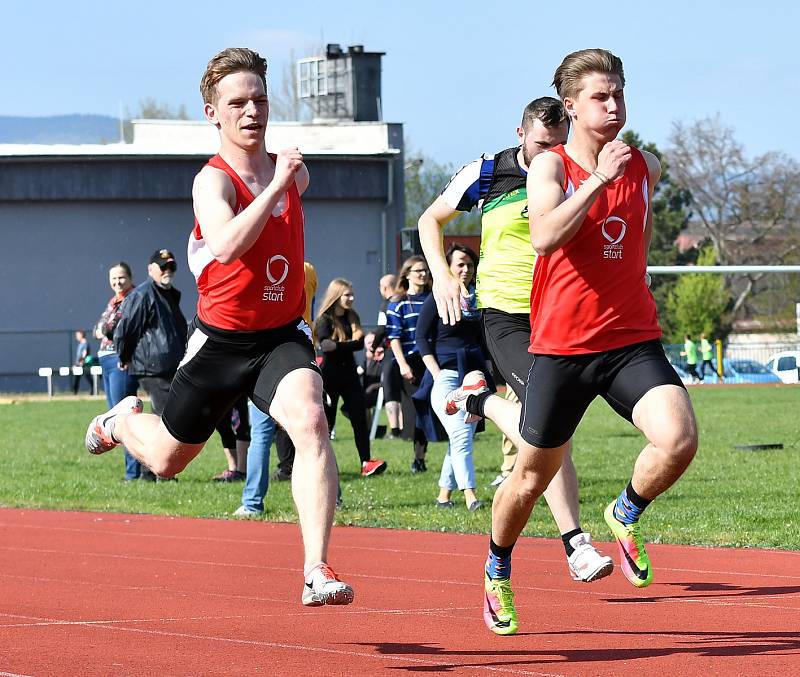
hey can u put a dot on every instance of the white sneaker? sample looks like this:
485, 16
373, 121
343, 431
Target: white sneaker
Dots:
246, 513
322, 586
497, 481
586, 563
100, 433
474, 383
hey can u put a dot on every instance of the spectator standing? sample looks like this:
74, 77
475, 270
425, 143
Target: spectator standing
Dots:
234, 432
390, 375
262, 432
340, 335
690, 353
83, 359
413, 287
371, 369
117, 383
706, 353
150, 337
449, 352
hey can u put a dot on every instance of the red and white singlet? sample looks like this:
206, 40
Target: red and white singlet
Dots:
265, 287
590, 295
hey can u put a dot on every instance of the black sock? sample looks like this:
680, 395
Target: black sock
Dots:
396, 432
566, 537
475, 403
498, 563
501, 551
630, 505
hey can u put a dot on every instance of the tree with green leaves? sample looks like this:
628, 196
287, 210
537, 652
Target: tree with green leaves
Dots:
671, 214
424, 181
698, 303
748, 208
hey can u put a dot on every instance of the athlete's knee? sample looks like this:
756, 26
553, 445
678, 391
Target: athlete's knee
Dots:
680, 442
306, 422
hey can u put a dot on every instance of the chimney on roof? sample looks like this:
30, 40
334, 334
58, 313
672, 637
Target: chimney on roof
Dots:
342, 85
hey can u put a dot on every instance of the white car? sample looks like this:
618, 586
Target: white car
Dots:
785, 365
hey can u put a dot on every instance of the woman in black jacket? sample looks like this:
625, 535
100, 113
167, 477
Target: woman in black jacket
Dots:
339, 335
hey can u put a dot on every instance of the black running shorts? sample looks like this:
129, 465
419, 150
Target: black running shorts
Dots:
507, 336
221, 366
565, 386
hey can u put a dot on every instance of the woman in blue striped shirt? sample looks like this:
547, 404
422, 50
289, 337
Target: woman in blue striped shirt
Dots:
413, 287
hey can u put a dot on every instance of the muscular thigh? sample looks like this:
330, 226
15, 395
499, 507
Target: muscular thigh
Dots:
633, 371
293, 353
211, 377
507, 336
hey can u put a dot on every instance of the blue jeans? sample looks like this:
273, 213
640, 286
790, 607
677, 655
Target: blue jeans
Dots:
262, 430
458, 467
118, 384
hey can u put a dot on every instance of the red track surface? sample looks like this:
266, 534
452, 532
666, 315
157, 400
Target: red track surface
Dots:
106, 594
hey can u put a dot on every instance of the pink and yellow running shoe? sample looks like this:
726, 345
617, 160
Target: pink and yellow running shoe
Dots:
499, 612
633, 557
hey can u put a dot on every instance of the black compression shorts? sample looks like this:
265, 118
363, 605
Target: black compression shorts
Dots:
507, 336
563, 387
221, 366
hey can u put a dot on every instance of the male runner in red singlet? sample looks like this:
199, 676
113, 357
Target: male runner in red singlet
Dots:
246, 252
594, 327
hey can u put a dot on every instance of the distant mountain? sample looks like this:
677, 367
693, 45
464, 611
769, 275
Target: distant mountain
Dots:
59, 129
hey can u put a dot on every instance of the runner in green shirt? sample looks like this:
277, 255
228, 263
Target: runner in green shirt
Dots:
495, 184
690, 352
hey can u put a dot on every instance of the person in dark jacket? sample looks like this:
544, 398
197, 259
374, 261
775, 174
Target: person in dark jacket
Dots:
339, 334
150, 337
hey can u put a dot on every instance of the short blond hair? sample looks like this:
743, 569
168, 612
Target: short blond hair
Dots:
569, 75
231, 60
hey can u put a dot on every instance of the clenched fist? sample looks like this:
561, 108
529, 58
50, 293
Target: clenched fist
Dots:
613, 159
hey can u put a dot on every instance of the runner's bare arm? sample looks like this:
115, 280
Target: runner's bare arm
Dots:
302, 179
654, 169
447, 291
230, 235
553, 219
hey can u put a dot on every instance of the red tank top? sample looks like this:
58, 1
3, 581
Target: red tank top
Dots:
590, 295
265, 287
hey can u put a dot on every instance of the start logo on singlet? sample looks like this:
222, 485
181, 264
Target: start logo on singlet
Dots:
613, 230
277, 269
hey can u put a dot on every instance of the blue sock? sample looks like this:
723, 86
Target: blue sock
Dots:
630, 505
498, 563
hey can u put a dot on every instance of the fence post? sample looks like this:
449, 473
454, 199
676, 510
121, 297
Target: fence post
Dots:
95, 370
720, 366
376, 414
47, 372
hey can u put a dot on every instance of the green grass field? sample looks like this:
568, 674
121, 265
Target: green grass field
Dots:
727, 497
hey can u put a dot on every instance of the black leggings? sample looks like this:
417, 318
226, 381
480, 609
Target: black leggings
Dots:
409, 410
241, 432
347, 386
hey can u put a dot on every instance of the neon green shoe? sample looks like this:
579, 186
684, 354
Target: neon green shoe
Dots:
499, 613
633, 557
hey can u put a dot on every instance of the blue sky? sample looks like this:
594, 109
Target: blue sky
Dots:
456, 74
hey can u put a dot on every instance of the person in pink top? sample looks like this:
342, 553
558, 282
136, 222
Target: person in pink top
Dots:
594, 329
249, 338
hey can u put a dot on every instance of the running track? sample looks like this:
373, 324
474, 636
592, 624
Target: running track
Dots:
107, 594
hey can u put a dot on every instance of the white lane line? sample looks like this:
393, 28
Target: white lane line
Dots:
341, 652
165, 560
277, 645
733, 599
519, 557
12, 674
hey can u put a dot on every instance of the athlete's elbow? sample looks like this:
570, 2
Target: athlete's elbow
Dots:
542, 247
